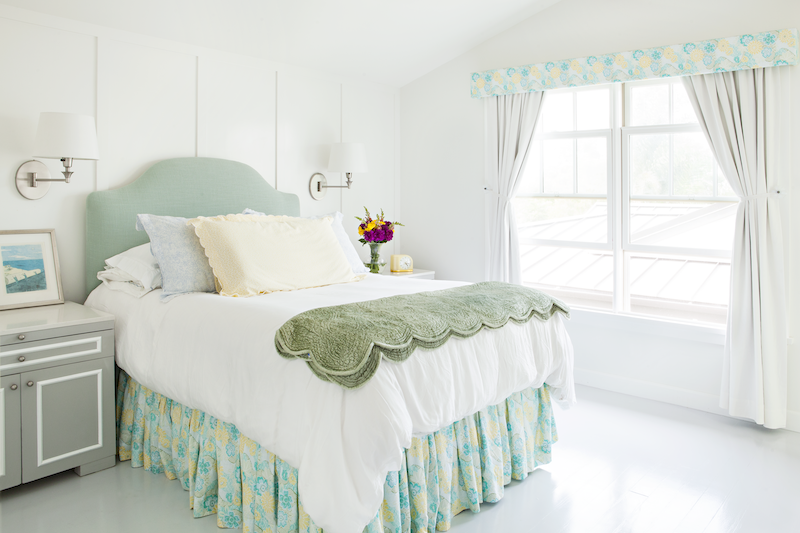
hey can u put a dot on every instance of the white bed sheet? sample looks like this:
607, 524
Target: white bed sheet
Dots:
217, 354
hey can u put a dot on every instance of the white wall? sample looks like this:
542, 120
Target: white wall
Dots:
155, 99
442, 164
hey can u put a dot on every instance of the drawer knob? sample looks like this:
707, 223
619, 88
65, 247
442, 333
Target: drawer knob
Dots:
21, 358
21, 337
30, 384
13, 386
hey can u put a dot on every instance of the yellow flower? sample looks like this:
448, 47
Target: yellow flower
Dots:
645, 61
620, 60
575, 65
535, 72
480, 83
371, 226
598, 67
555, 72
360, 230
670, 54
697, 55
516, 77
497, 77
755, 47
786, 37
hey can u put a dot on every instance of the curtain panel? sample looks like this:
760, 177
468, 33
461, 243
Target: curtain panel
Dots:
741, 114
741, 52
510, 121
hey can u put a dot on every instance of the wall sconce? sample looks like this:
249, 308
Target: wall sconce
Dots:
63, 136
345, 157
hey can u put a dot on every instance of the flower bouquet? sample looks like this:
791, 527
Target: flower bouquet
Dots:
375, 232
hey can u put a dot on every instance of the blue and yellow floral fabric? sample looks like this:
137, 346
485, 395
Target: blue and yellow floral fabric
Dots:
444, 473
766, 49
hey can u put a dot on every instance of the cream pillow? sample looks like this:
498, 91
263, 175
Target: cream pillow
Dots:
253, 254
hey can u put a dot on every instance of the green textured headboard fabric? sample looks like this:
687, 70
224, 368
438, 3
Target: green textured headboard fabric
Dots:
184, 187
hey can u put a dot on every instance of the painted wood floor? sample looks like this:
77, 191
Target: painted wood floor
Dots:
622, 464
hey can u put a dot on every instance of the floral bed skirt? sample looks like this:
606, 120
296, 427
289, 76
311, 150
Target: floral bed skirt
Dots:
444, 473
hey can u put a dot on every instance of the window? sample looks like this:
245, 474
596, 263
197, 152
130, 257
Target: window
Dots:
622, 206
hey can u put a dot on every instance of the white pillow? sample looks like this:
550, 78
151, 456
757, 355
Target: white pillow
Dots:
119, 280
140, 265
261, 254
341, 236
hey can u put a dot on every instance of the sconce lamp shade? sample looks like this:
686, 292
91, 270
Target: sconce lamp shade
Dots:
348, 157
66, 135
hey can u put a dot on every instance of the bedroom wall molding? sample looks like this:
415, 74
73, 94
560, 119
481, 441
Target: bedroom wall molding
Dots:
766, 49
154, 99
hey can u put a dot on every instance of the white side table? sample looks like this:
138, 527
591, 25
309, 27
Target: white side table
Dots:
417, 273
56, 391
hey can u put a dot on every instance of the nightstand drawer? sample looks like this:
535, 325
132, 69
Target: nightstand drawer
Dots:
25, 336
26, 356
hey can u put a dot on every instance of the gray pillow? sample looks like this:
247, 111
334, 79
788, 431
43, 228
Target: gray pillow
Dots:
183, 262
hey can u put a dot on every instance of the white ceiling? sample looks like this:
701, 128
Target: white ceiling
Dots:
388, 41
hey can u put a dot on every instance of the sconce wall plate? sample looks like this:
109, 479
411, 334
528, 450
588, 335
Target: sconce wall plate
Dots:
25, 184
318, 186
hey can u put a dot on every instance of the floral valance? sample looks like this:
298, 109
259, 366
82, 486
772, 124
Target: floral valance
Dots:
766, 49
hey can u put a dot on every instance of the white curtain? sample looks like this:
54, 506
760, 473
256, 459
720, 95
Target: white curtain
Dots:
510, 121
741, 117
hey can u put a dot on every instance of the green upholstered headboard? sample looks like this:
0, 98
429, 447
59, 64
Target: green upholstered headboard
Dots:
184, 187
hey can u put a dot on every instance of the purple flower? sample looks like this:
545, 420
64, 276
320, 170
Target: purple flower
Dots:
389, 234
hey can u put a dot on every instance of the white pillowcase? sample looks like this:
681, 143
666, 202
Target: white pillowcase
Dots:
134, 271
341, 236
252, 254
117, 279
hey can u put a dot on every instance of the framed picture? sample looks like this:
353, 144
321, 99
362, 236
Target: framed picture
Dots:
31, 275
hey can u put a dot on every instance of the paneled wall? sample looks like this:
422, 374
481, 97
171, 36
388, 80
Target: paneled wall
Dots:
156, 99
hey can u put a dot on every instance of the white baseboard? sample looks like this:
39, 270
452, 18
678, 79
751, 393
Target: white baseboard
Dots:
663, 393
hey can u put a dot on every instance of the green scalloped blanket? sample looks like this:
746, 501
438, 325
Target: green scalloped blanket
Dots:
344, 344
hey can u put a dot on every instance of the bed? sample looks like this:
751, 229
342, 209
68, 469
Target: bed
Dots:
259, 440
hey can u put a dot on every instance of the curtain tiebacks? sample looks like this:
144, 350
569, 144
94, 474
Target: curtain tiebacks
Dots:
492, 192
757, 196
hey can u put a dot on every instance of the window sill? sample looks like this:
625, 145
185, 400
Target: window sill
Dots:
706, 333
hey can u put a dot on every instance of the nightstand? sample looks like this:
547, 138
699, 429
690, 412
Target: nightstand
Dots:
56, 392
416, 273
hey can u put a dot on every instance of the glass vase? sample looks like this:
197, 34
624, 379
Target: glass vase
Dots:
375, 262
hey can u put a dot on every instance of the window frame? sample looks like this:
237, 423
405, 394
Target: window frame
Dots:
541, 136
618, 242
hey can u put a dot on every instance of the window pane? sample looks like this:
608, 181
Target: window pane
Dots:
557, 112
592, 165
579, 277
562, 219
682, 223
532, 173
682, 111
649, 164
593, 109
558, 159
649, 105
686, 288
693, 165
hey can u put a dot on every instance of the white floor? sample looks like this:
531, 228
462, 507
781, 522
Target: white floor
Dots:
622, 464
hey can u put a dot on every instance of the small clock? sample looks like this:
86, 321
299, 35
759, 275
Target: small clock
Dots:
402, 263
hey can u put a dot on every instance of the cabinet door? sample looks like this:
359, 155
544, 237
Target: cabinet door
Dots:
10, 433
67, 417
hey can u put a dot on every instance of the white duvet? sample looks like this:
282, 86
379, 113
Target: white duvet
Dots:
217, 354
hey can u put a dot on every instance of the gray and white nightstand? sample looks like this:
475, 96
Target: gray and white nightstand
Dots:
417, 273
56, 392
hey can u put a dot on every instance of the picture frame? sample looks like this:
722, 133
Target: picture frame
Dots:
31, 273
